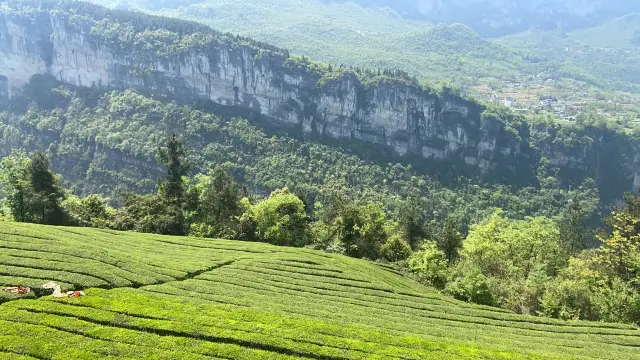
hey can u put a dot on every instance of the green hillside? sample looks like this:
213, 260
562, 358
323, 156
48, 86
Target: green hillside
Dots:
626, 30
352, 35
165, 297
379, 37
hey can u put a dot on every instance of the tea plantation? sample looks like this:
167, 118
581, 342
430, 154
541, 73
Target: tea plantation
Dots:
157, 297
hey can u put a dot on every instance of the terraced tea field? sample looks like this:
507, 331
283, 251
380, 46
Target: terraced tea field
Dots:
156, 297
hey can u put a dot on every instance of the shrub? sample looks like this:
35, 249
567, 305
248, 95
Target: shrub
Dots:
471, 285
279, 220
569, 299
430, 264
396, 249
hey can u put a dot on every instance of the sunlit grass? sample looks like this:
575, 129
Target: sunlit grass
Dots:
167, 298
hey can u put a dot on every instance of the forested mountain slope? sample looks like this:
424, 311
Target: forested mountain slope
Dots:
89, 46
160, 296
394, 34
190, 62
504, 17
488, 17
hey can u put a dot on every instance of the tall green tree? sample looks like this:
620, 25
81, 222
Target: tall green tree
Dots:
47, 193
279, 220
16, 186
214, 205
450, 239
172, 188
574, 230
511, 260
360, 229
412, 221
173, 157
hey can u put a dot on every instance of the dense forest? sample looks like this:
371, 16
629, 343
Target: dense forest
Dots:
530, 249
451, 47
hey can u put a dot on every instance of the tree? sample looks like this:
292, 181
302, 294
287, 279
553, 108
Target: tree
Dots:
573, 228
620, 251
215, 205
14, 178
361, 230
412, 222
515, 259
149, 214
430, 264
395, 249
450, 239
505, 248
173, 157
279, 220
91, 211
47, 193
172, 188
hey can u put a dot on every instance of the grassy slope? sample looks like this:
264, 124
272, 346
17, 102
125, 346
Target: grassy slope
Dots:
164, 297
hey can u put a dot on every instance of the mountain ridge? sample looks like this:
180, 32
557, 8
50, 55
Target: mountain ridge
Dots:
258, 82
89, 46
495, 18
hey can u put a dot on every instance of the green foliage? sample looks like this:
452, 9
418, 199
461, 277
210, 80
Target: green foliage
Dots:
32, 191
505, 248
573, 227
173, 157
14, 173
412, 221
149, 214
509, 262
90, 211
279, 220
47, 193
471, 285
514, 123
359, 229
568, 300
395, 249
214, 205
450, 239
430, 265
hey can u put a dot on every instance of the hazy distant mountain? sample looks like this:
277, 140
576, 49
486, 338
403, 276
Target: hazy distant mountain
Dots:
504, 17
489, 18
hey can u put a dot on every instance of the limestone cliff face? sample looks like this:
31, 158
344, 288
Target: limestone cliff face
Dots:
605, 155
259, 84
4, 91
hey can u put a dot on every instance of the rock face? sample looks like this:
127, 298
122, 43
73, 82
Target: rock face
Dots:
91, 47
4, 91
259, 84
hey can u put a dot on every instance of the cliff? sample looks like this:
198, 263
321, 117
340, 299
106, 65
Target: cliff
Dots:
87, 46
94, 47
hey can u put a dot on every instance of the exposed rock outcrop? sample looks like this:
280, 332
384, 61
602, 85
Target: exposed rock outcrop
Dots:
260, 84
93, 47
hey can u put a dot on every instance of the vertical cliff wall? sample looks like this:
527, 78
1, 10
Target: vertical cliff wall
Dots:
4, 91
86, 49
91, 47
